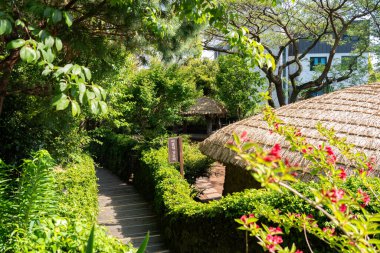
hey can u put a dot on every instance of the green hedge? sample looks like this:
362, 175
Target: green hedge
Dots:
191, 226
117, 153
78, 191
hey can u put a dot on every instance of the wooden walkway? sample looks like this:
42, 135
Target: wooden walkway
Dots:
126, 214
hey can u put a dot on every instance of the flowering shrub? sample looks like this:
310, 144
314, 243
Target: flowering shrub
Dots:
351, 226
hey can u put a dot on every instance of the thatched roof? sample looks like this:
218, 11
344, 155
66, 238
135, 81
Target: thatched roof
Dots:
206, 106
353, 112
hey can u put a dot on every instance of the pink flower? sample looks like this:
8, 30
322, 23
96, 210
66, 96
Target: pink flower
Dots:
342, 174
330, 231
243, 136
366, 198
274, 154
230, 142
334, 195
343, 208
275, 239
297, 132
370, 167
329, 151
298, 251
275, 230
294, 174
304, 151
245, 218
271, 248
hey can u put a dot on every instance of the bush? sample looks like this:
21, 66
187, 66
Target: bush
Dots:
77, 188
116, 152
191, 226
37, 215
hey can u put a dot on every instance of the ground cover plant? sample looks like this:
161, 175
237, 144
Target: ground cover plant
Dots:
51, 209
351, 224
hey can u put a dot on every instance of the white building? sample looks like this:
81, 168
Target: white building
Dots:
314, 60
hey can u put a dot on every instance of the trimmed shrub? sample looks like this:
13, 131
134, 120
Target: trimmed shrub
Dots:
77, 187
117, 153
190, 226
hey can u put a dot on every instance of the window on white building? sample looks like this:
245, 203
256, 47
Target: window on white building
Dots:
315, 61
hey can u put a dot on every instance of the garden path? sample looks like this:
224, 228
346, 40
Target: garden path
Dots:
126, 214
211, 187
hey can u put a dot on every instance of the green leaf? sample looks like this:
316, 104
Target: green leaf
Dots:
103, 107
19, 23
46, 71
87, 72
5, 26
58, 44
16, 44
374, 241
56, 16
43, 34
76, 70
94, 106
61, 102
96, 91
68, 19
48, 55
28, 54
90, 95
67, 68
90, 242
63, 86
49, 41
144, 244
47, 12
103, 92
82, 88
75, 108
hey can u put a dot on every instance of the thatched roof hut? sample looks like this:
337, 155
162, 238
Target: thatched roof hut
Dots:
206, 106
353, 112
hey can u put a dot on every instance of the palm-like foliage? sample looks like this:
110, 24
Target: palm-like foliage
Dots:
27, 198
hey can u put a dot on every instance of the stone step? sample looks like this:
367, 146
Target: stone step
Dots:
128, 220
126, 214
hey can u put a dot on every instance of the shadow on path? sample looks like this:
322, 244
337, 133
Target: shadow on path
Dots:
126, 214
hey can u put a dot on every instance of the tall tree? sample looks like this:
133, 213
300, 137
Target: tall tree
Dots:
282, 27
54, 33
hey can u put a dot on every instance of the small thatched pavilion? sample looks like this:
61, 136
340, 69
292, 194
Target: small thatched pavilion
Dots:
209, 108
353, 112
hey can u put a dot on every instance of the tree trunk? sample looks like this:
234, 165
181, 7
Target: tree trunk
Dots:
294, 96
279, 92
6, 67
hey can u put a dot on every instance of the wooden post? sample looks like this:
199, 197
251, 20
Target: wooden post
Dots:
180, 154
209, 124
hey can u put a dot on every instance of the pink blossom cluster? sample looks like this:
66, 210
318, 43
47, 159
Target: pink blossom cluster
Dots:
365, 197
334, 194
274, 154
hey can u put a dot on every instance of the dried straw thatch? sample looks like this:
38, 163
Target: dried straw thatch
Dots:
206, 106
353, 112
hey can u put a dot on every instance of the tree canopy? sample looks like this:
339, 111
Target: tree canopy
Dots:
282, 27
